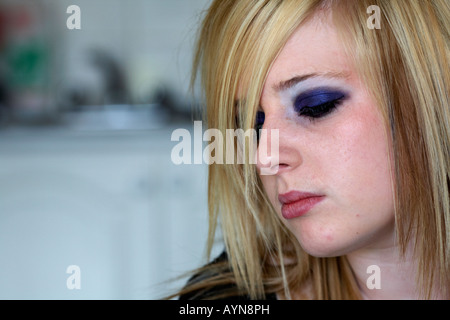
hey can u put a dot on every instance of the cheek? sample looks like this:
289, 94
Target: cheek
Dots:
363, 172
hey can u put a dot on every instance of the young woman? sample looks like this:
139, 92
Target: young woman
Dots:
358, 203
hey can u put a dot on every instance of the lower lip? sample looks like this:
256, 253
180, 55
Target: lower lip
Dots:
299, 208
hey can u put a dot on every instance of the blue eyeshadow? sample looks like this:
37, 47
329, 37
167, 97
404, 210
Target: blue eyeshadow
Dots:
260, 117
317, 97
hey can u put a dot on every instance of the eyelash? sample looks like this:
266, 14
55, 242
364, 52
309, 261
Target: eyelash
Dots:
319, 111
312, 113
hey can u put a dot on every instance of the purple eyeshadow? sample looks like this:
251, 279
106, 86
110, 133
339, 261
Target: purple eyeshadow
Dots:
260, 117
317, 97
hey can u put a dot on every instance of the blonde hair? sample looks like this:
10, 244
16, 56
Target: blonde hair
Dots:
405, 66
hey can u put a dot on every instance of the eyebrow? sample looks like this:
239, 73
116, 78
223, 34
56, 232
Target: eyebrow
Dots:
287, 84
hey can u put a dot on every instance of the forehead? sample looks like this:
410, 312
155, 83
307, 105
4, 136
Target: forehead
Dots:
314, 48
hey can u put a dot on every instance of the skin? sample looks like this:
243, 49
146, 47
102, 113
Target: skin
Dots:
343, 156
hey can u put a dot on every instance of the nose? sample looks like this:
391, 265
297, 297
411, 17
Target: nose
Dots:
277, 148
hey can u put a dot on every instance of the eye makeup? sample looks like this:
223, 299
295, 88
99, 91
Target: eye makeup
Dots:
312, 104
260, 117
318, 102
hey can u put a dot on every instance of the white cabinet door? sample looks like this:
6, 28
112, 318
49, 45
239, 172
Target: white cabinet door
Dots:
112, 204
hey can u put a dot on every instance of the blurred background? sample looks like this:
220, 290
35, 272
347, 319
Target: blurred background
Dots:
88, 102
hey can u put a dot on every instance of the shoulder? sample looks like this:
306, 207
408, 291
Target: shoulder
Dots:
215, 281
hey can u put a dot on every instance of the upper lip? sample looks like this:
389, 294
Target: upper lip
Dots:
294, 196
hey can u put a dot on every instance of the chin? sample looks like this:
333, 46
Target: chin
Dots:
323, 251
325, 243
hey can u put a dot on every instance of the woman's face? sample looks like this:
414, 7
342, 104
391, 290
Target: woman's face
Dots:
333, 185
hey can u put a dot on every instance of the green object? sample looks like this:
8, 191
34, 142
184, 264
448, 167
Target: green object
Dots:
26, 64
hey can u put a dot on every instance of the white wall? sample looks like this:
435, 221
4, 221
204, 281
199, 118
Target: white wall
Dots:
152, 37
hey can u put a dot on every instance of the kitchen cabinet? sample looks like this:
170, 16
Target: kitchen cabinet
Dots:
111, 203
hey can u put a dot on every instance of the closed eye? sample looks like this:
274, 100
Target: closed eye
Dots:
318, 103
320, 110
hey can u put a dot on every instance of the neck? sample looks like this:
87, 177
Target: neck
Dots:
382, 273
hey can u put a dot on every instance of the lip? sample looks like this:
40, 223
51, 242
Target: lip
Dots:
296, 203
